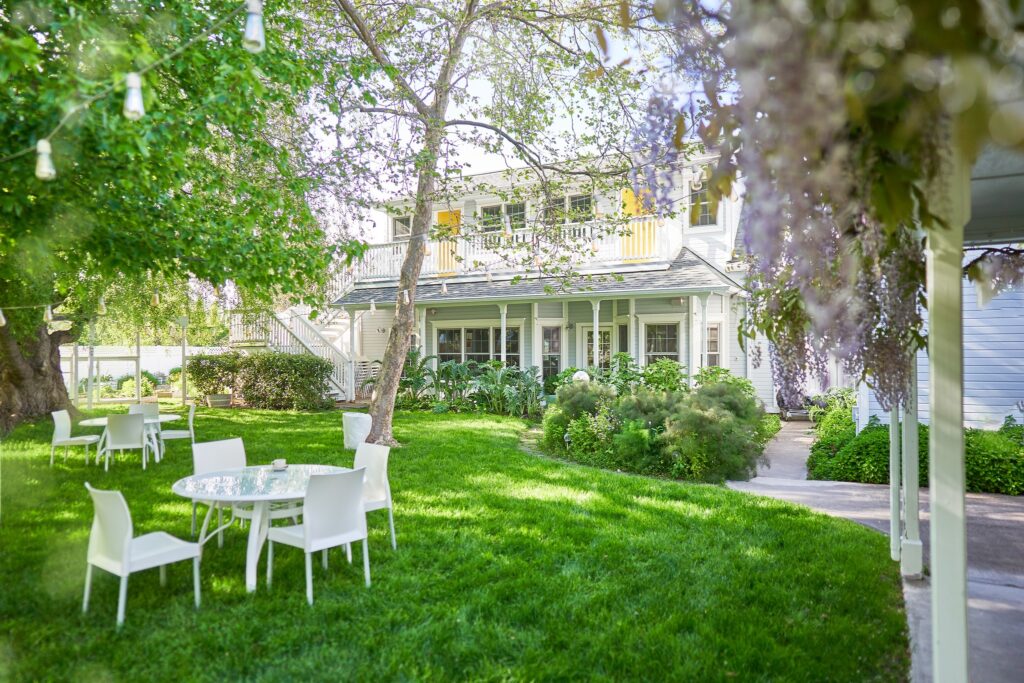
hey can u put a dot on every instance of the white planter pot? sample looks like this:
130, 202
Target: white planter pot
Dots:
356, 427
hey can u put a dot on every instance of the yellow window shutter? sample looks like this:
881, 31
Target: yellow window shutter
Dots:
634, 205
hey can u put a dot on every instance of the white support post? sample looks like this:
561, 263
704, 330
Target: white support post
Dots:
596, 305
90, 376
74, 375
632, 331
503, 311
911, 550
351, 369
184, 359
951, 201
538, 340
894, 484
138, 367
703, 330
422, 332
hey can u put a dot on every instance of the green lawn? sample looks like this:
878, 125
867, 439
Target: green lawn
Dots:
509, 567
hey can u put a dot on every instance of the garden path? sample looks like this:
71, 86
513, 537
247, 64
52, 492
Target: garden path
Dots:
995, 554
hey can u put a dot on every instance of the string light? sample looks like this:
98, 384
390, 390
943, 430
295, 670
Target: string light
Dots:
3, 320
405, 296
253, 40
45, 170
133, 106
373, 307
101, 307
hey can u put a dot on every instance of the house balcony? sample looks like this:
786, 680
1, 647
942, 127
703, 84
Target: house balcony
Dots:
636, 244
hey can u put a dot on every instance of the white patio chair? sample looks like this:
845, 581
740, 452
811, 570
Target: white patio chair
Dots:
112, 548
190, 433
126, 432
151, 411
62, 436
377, 490
333, 517
229, 454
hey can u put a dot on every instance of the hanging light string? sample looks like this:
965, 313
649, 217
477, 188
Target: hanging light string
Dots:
253, 41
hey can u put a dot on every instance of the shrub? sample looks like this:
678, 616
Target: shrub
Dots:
551, 384
174, 376
284, 381
767, 428
664, 374
157, 378
714, 374
590, 437
1012, 429
713, 437
650, 407
127, 389
624, 374
574, 399
994, 462
636, 449
836, 398
213, 374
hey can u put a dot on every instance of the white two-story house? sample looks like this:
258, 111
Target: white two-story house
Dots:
653, 287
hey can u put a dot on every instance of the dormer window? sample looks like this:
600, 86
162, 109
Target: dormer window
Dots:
581, 208
700, 211
490, 218
493, 217
401, 227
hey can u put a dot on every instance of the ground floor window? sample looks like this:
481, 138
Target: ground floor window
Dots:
550, 351
479, 344
714, 348
511, 345
661, 341
604, 348
623, 338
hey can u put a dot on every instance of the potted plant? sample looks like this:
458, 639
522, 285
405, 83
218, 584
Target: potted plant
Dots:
213, 376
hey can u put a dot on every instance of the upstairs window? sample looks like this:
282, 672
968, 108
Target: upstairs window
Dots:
401, 227
700, 211
490, 218
581, 208
516, 214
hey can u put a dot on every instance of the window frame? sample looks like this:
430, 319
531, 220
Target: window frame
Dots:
717, 327
395, 222
493, 353
485, 219
652, 356
569, 210
556, 355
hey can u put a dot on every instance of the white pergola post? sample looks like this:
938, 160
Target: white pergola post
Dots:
951, 198
74, 374
503, 311
895, 531
351, 369
911, 549
138, 367
91, 372
422, 333
183, 321
596, 305
632, 331
703, 336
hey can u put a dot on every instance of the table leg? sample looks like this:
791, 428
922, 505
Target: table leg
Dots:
257, 536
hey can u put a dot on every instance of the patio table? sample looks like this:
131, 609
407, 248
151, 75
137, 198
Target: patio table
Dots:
102, 422
260, 485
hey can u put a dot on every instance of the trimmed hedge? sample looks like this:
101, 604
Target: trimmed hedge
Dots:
994, 462
268, 379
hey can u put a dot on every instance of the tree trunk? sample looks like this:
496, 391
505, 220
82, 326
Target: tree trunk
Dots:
31, 383
382, 407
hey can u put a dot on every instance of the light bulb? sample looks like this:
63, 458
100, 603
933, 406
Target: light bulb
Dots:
156, 299
444, 287
405, 296
3, 320
101, 307
45, 169
48, 315
253, 40
373, 306
133, 107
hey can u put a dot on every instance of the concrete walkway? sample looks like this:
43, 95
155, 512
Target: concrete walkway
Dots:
995, 555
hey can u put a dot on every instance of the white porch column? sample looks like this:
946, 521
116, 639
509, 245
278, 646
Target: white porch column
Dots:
703, 336
632, 331
183, 322
596, 305
422, 330
911, 550
951, 198
503, 311
894, 483
538, 339
351, 369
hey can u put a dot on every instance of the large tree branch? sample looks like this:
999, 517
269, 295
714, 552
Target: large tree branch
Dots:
366, 36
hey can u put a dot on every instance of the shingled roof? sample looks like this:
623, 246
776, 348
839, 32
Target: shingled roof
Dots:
687, 273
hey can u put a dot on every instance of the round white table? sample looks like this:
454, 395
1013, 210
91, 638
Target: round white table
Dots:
261, 486
148, 421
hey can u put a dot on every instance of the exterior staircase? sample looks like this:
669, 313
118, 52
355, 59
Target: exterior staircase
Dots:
292, 331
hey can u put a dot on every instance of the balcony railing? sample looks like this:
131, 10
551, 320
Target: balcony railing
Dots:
580, 246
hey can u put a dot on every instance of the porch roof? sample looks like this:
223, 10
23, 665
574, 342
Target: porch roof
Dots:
687, 273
